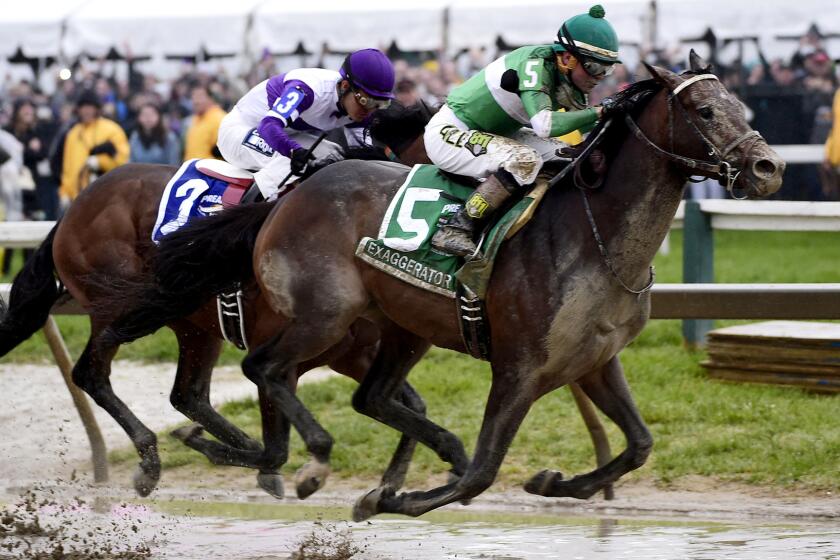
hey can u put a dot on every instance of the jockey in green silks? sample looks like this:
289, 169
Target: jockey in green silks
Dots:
481, 130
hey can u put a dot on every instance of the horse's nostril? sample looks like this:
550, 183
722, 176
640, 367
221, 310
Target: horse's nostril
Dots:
764, 168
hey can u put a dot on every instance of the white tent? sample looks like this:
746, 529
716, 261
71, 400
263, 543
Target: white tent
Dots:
528, 22
155, 27
766, 20
185, 27
280, 25
36, 30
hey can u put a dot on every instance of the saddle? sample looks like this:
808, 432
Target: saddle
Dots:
238, 180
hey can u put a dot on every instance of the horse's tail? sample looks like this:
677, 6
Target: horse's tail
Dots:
34, 291
192, 265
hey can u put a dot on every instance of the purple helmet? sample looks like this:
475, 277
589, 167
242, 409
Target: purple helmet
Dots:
370, 71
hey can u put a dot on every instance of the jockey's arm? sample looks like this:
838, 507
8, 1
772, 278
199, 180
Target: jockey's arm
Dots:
548, 123
286, 108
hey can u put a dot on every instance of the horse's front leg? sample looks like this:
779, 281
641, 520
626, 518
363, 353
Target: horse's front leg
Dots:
507, 406
608, 389
385, 396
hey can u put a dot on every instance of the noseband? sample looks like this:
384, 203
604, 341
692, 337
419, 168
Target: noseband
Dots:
721, 168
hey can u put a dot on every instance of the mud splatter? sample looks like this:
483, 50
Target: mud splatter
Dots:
327, 542
47, 523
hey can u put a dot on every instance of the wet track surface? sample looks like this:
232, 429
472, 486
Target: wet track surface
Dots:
103, 528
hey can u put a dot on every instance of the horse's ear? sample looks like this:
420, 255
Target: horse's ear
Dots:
663, 76
697, 64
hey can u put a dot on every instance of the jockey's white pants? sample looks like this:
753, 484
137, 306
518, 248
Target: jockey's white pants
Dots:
453, 147
241, 147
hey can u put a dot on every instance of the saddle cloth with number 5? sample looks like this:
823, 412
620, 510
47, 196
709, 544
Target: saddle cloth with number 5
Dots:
403, 245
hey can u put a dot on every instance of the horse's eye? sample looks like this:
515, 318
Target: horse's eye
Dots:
705, 112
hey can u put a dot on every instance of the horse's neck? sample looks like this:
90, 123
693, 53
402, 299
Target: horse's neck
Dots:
415, 153
648, 190
634, 208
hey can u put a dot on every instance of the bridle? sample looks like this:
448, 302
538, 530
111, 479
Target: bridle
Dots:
721, 168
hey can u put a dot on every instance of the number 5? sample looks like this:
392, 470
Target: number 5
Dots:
417, 226
531, 72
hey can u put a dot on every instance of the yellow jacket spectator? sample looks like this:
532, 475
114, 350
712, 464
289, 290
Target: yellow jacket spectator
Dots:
832, 145
92, 147
203, 130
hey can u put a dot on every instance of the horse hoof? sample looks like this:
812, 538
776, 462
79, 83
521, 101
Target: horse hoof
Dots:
541, 482
310, 478
368, 505
576, 487
144, 483
453, 479
271, 483
187, 432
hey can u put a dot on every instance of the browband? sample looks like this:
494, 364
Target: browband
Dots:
690, 81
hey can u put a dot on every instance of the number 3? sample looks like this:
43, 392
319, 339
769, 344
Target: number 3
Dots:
291, 99
531, 72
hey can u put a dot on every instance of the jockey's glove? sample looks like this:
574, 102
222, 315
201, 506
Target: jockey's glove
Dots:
106, 147
300, 158
328, 152
611, 106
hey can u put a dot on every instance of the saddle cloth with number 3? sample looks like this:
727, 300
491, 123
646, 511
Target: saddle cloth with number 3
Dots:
199, 188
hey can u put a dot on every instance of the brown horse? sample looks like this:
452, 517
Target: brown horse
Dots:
569, 291
105, 234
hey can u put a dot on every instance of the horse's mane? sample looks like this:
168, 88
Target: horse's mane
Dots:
399, 125
632, 100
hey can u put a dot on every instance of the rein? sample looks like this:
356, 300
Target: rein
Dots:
721, 168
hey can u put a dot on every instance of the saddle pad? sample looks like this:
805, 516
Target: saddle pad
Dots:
188, 194
403, 247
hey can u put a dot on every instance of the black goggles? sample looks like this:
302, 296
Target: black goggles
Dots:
593, 67
370, 103
597, 69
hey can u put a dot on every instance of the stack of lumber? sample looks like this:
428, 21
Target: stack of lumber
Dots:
798, 353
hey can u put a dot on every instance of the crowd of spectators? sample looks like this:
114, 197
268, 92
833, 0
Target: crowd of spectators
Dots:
54, 142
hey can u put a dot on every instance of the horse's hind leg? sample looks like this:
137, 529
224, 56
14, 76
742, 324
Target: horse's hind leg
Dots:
92, 374
198, 352
609, 391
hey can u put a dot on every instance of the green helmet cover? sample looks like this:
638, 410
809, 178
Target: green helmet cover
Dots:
590, 34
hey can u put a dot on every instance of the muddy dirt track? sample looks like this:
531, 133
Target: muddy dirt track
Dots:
43, 441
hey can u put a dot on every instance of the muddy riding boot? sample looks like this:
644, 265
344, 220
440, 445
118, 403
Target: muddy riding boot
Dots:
455, 236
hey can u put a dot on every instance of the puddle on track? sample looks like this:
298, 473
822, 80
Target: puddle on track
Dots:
203, 531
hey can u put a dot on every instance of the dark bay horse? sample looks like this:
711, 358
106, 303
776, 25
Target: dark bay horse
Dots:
103, 239
569, 291
399, 127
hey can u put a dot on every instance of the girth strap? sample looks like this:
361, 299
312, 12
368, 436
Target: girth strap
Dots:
232, 317
475, 329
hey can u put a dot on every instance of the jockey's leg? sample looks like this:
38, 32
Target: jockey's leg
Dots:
455, 236
240, 145
508, 165
547, 148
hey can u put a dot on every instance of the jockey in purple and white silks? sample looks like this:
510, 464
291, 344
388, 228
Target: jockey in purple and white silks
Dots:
271, 127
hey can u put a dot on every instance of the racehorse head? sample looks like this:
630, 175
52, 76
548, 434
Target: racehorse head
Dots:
401, 129
707, 133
